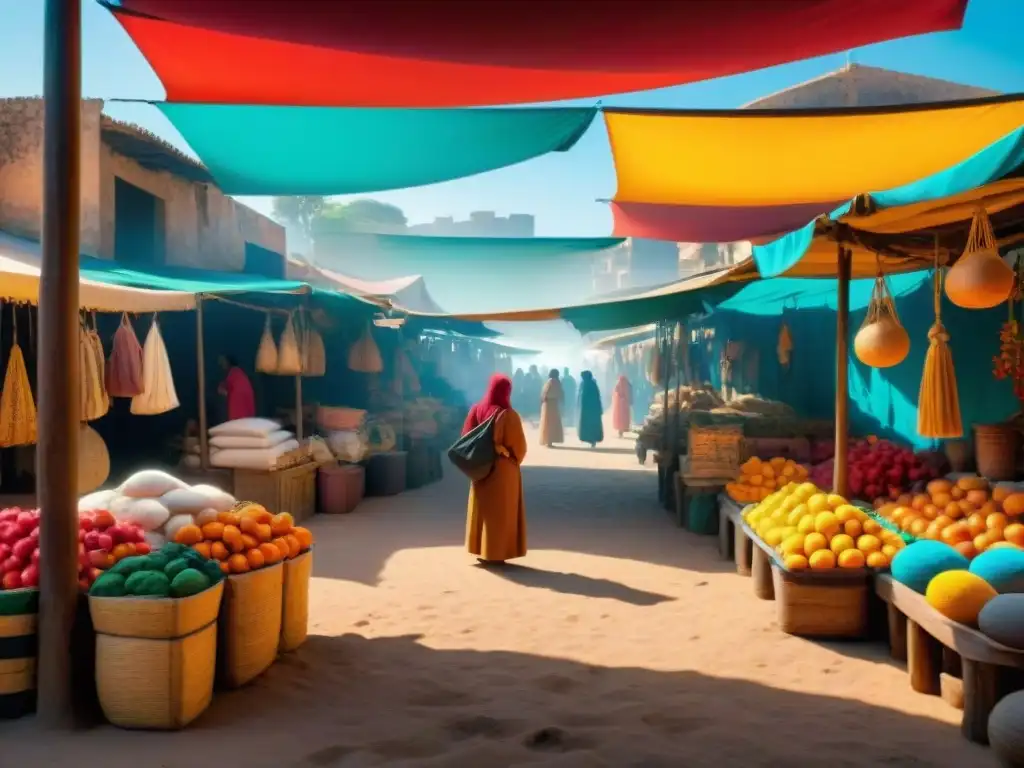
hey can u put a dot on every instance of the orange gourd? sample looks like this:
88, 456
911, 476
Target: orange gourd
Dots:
188, 535
213, 531
224, 567
283, 547
304, 537
980, 279
1013, 504
203, 548
238, 564
264, 532
294, 548
881, 341
282, 524
271, 554
218, 551
256, 511
232, 538
255, 558
250, 541
229, 518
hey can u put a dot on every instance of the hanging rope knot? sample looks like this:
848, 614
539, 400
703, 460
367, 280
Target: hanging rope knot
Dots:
937, 334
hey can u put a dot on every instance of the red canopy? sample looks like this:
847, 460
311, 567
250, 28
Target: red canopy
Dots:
447, 53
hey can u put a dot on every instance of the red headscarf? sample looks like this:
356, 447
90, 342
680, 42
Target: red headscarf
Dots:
498, 398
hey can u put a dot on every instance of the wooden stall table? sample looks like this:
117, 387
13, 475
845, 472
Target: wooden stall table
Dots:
280, 490
969, 669
736, 530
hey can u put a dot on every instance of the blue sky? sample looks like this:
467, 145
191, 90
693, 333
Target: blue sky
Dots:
561, 189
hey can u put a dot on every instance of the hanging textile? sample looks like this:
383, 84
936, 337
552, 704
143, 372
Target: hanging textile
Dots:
158, 393
94, 401
314, 355
17, 407
364, 355
124, 369
289, 357
266, 354
938, 409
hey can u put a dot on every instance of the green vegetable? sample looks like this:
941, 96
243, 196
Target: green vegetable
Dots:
157, 561
129, 565
148, 584
109, 584
175, 567
189, 582
173, 550
212, 569
193, 557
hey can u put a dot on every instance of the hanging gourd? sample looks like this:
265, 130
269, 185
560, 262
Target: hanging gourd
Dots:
266, 355
364, 355
784, 346
882, 341
17, 408
938, 410
655, 374
980, 279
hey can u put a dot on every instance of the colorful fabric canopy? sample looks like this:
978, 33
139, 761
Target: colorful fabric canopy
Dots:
750, 175
403, 53
259, 150
991, 178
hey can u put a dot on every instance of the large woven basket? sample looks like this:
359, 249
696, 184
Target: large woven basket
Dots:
295, 605
250, 624
155, 618
156, 684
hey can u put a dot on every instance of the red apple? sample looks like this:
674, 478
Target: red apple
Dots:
23, 549
11, 564
104, 541
92, 540
85, 522
12, 580
30, 576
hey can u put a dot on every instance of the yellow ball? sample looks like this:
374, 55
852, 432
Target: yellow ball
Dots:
835, 501
806, 524
773, 537
793, 545
841, 542
959, 595
853, 528
846, 512
877, 560
795, 562
826, 523
818, 503
851, 558
822, 560
868, 543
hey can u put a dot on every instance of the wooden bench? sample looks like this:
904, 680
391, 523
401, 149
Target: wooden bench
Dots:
969, 669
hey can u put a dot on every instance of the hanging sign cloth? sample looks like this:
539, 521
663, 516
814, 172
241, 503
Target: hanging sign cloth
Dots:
124, 369
17, 408
94, 400
158, 393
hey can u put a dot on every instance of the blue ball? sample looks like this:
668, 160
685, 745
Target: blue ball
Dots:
920, 562
1002, 568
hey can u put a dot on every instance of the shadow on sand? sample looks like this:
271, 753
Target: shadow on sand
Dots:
574, 584
347, 701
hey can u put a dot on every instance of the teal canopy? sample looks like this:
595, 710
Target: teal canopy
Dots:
999, 160
164, 278
283, 150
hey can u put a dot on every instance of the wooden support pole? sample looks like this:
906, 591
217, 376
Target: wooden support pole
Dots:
924, 659
981, 694
204, 435
844, 269
57, 364
897, 632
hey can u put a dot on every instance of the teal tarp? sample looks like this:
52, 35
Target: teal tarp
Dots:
273, 150
995, 162
183, 279
883, 402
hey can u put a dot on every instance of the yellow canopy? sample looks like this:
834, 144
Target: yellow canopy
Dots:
769, 158
19, 282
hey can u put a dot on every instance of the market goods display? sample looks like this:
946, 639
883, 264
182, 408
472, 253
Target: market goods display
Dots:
19, 548
882, 341
158, 394
759, 478
966, 513
1002, 619
922, 561
959, 595
980, 278
877, 468
174, 571
245, 538
250, 444
811, 529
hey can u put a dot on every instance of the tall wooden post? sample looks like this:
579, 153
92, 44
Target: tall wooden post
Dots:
204, 435
844, 270
57, 450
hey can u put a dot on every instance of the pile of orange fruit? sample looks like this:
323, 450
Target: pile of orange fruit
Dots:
246, 538
967, 514
760, 478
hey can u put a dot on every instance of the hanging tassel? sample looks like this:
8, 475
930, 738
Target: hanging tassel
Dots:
938, 414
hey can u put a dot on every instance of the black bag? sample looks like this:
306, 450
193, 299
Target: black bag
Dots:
474, 453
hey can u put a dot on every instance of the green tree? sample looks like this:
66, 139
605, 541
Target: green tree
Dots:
299, 211
364, 215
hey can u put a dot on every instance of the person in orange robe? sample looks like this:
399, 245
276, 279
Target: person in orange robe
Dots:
622, 404
496, 514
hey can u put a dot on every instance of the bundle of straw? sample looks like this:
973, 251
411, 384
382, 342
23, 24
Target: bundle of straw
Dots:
938, 414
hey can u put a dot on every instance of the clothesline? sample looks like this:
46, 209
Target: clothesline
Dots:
253, 307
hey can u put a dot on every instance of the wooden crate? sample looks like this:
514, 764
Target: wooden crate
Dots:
964, 666
826, 604
687, 488
284, 490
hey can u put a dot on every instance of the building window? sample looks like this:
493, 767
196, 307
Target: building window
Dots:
140, 233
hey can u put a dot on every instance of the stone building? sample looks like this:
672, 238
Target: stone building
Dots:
479, 224
143, 201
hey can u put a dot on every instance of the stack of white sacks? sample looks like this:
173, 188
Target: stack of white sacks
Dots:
249, 444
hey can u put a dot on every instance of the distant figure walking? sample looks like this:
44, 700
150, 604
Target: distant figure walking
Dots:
622, 404
569, 388
237, 390
496, 514
551, 399
590, 429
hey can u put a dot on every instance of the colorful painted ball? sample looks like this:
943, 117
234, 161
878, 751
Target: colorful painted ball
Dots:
1002, 568
917, 564
959, 595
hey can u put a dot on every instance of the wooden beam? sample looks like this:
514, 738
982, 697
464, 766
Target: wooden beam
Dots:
57, 364
844, 267
204, 436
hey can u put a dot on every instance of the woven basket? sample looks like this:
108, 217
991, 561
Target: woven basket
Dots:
295, 605
155, 618
18, 652
156, 684
250, 624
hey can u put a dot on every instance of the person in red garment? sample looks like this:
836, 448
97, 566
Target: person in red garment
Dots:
237, 388
496, 515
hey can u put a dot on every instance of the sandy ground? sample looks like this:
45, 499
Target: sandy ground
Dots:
619, 641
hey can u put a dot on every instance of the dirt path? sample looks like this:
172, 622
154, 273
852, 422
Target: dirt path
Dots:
619, 641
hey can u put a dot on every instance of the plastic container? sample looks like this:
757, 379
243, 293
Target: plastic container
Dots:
340, 488
386, 473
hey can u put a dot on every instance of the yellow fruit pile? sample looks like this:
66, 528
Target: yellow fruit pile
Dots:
966, 514
759, 479
820, 531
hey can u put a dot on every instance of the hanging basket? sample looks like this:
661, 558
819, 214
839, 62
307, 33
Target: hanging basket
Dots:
980, 279
882, 341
